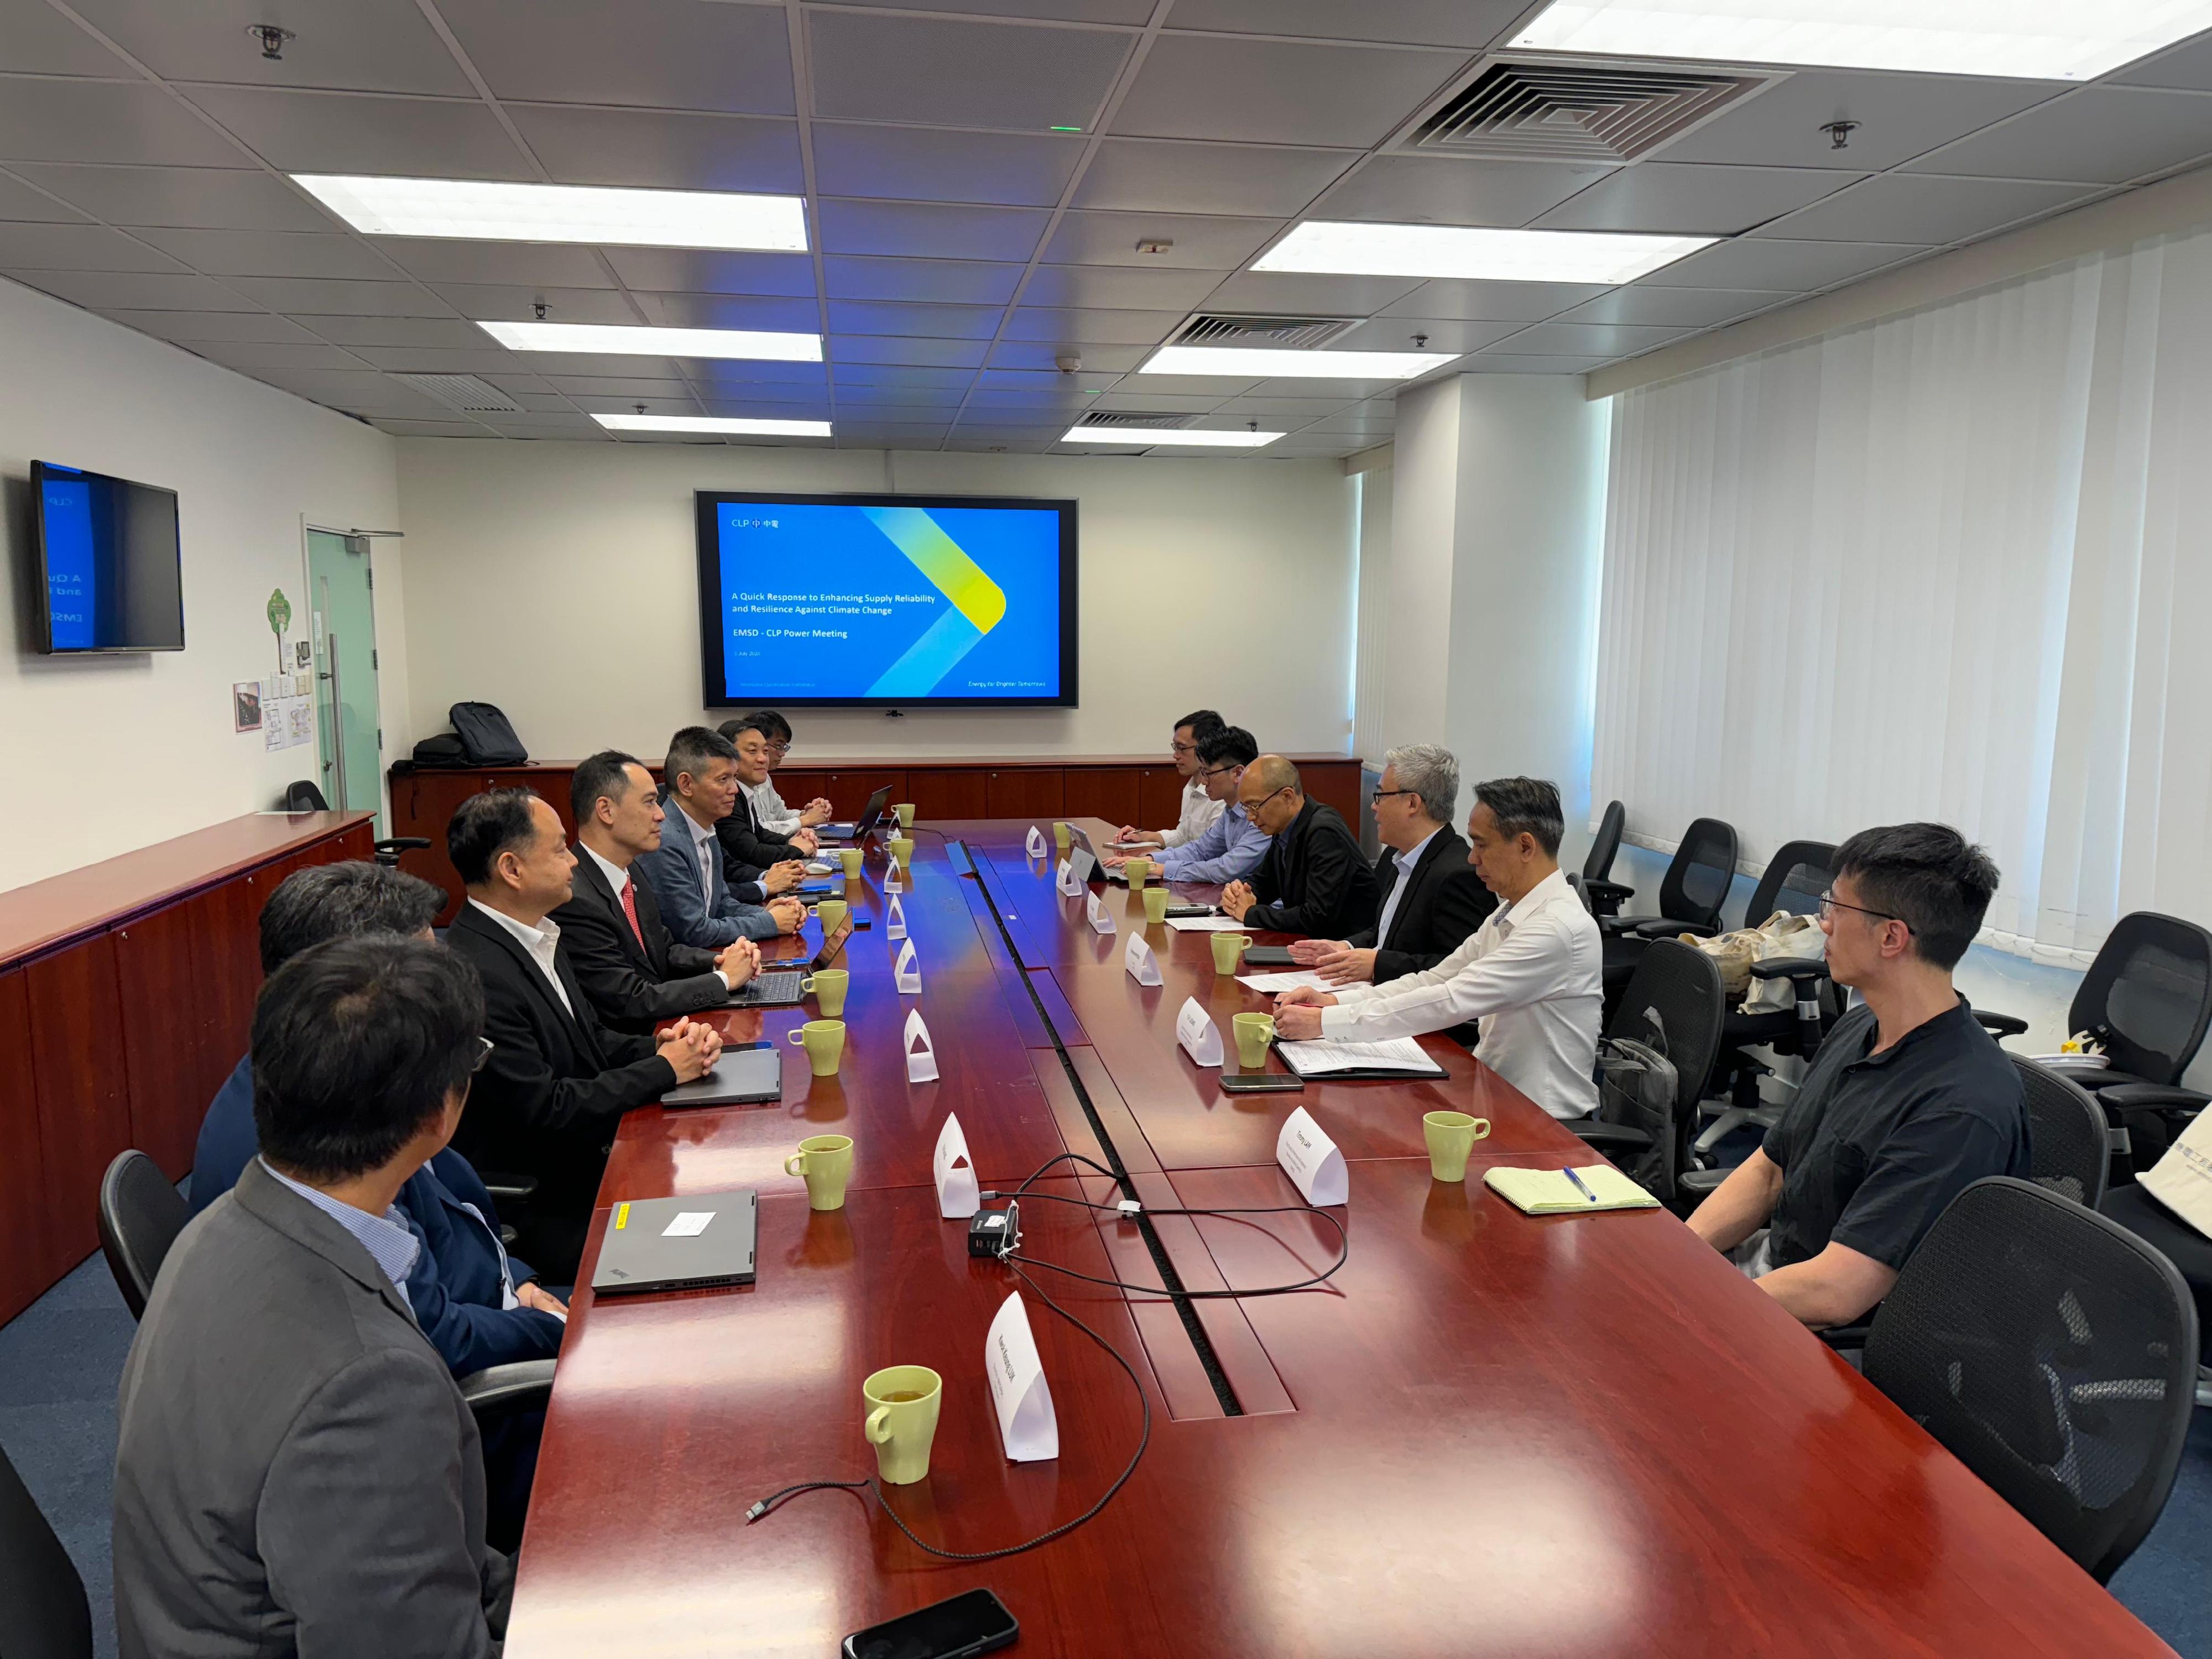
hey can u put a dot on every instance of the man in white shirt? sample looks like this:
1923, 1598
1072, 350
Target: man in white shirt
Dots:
768, 805
1533, 974
1200, 808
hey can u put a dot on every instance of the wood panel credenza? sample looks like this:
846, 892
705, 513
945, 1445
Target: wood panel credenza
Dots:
168, 935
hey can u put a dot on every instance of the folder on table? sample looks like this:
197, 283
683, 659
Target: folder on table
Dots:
1548, 1192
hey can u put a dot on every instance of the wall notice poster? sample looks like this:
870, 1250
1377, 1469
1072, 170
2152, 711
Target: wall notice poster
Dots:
245, 706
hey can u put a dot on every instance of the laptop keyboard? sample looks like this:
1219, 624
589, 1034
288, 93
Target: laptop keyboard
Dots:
773, 986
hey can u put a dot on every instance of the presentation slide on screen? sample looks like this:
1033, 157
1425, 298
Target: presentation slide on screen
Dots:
72, 563
845, 600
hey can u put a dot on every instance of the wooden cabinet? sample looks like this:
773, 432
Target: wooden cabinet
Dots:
81, 1077
1024, 791
167, 1039
1159, 797
30, 1257
948, 791
1110, 793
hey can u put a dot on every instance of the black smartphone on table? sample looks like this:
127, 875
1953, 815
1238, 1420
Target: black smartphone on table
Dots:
1260, 1083
977, 1622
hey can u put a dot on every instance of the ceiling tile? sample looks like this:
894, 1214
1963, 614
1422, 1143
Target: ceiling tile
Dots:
115, 290
550, 425
442, 259
953, 281
1345, 388
1272, 92
1491, 302
672, 149
1195, 244
1588, 339
1161, 402
1120, 288
967, 73
379, 46
134, 121
272, 253
956, 381
313, 297
702, 271
189, 327
1899, 116
1161, 175
899, 434
1680, 307
684, 404
656, 54
519, 385
726, 371
931, 164
1424, 190
535, 403
1283, 293
1191, 385
1079, 327
2095, 135
501, 303
1904, 207
77, 247
882, 349
585, 386
2188, 65
1418, 22
399, 331
20, 202
1396, 334
36, 40
1778, 263
1504, 363
455, 428
783, 313
209, 197
364, 392
338, 132
920, 230
558, 366
485, 357
251, 357
891, 317
993, 440
1702, 201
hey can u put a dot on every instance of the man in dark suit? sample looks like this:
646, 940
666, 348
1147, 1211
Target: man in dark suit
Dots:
556, 1078
296, 1471
761, 861
633, 974
1431, 899
1314, 879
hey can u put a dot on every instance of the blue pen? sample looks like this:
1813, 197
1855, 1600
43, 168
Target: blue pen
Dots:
1579, 1188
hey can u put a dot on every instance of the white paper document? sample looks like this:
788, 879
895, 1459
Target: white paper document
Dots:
921, 1052
956, 1197
1311, 1159
1206, 924
689, 1224
908, 969
1143, 967
1271, 983
1026, 1423
895, 919
1101, 921
1318, 1059
1036, 843
1195, 1031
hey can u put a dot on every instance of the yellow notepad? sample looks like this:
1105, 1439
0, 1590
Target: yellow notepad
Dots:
1548, 1192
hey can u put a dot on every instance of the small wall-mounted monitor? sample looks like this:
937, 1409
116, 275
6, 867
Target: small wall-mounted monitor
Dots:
886, 601
110, 573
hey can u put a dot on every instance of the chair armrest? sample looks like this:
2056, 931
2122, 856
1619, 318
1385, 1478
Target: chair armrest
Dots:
402, 844
508, 1189
2146, 1096
1663, 928
497, 1386
1626, 1136
1606, 898
1843, 1338
2002, 1025
1790, 968
1620, 926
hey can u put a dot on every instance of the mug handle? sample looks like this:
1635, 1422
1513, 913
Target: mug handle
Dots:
806, 986
795, 1165
1482, 1129
797, 1038
877, 1427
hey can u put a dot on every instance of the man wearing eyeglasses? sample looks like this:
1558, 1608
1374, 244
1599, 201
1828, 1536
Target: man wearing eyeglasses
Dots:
1232, 845
1907, 1102
1314, 879
768, 805
1201, 805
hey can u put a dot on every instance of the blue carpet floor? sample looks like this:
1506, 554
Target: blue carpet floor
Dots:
61, 1360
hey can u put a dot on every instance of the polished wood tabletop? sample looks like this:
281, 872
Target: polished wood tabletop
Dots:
1485, 1433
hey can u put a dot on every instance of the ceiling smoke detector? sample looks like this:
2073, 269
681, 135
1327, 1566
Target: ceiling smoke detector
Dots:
272, 39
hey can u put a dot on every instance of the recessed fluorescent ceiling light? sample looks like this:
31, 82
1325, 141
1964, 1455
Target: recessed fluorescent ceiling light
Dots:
635, 340
560, 213
1455, 251
732, 425
1151, 437
1253, 363
2037, 39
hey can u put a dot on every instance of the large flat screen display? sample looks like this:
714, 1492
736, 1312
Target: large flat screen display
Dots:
880, 601
109, 576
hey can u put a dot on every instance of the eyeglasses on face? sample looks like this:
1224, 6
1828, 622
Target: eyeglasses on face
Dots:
484, 1054
1253, 808
1182, 749
1830, 904
1385, 794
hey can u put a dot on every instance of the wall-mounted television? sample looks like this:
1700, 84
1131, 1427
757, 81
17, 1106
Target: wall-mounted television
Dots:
110, 574
886, 601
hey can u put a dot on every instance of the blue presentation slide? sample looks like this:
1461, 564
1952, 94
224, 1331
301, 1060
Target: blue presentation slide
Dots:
72, 564
846, 600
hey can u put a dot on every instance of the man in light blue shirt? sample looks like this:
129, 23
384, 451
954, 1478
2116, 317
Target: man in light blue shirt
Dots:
1232, 846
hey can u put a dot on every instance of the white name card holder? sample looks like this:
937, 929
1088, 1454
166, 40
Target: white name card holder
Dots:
1312, 1160
1064, 879
1143, 967
920, 1061
895, 920
956, 1197
1101, 921
1026, 1422
1196, 1031
893, 882
1036, 843
908, 968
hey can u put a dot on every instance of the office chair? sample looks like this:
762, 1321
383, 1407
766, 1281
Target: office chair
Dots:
1674, 1005
1690, 897
48, 1616
305, 797
2054, 1354
1600, 892
2069, 1146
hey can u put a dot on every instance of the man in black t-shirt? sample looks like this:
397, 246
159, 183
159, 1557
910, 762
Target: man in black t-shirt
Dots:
1908, 1102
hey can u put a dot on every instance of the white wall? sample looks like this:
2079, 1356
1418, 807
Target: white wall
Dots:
130, 751
560, 581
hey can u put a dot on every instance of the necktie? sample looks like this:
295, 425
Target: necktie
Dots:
630, 909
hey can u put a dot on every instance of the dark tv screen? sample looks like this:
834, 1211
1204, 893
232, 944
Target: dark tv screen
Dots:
110, 574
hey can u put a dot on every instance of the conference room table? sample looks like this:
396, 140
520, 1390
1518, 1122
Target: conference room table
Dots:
1485, 1433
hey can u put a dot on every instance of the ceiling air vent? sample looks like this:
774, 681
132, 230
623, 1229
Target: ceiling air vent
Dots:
463, 392
1300, 333
1543, 110
1133, 417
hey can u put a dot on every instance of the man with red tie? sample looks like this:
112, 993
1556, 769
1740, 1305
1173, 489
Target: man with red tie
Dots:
633, 972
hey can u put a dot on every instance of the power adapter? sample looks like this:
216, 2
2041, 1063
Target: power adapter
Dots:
994, 1233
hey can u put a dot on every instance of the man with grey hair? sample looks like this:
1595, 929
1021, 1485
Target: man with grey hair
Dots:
1533, 974
1431, 897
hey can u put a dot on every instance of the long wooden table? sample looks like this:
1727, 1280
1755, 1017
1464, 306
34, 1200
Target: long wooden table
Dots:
1486, 1434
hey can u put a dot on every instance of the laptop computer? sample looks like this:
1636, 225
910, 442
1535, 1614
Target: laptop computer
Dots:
778, 986
693, 1243
1082, 857
740, 1077
862, 827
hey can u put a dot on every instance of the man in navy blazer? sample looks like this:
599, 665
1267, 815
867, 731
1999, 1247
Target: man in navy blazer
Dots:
686, 872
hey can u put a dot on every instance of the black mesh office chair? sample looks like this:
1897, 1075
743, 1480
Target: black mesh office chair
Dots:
1674, 1005
304, 796
2069, 1144
1690, 898
44, 1614
2054, 1354
1600, 891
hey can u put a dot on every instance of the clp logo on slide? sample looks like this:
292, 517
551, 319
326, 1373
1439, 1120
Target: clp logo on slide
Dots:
976, 601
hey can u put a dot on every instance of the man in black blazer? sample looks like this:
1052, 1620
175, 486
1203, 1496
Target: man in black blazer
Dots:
1431, 898
555, 1078
1314, 879
633, 972
759, 863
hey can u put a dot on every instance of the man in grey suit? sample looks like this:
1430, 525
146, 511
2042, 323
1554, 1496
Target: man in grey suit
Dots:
296, 1471
686, 870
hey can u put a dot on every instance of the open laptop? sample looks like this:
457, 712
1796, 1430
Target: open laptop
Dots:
692, 1243
1082, 857
778, 986
862, 827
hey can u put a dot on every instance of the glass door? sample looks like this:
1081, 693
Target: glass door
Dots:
341, 595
